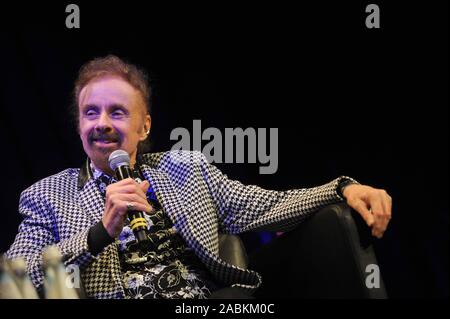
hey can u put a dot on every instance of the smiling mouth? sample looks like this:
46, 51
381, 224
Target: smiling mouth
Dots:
104, 142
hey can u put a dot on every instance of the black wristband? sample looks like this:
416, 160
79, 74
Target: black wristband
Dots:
98, 238
342, 184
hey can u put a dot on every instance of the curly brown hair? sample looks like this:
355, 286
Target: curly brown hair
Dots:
107, 66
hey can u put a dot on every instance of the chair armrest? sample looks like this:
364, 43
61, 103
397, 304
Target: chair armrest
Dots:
359, 239
324, 257
232, 250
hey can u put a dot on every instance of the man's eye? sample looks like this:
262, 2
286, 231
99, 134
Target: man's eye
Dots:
118, 113
90, 112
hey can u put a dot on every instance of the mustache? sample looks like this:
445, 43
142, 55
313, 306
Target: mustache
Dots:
95, 136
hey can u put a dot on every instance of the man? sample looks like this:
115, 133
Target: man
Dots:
187, 203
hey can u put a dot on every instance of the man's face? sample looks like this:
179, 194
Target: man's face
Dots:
112, 116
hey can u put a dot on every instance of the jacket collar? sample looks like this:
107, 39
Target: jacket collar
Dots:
86, 171
85, 174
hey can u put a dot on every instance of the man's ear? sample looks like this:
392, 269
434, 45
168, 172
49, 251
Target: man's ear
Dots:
146, 128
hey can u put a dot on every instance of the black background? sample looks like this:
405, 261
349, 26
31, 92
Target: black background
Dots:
371, 104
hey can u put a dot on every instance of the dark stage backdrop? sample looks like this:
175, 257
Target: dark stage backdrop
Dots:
371, 104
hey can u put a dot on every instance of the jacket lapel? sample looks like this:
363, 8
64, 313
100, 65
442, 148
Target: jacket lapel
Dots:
89, 195
176, 209
92, 201
167, 196
93, 204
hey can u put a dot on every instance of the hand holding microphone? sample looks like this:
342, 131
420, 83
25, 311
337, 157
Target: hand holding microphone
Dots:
126, 198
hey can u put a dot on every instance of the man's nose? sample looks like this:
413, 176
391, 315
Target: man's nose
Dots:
104, 123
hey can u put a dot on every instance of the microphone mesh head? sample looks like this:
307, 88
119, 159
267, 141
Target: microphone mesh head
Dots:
118, 158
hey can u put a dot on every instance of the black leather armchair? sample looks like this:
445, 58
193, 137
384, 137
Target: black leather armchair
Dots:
325, 257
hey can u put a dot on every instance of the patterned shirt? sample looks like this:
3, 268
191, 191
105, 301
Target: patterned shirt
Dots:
167, 268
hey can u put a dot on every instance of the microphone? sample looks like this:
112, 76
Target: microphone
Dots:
119, 162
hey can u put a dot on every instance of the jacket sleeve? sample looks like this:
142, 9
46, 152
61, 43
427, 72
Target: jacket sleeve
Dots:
244, 208
38, 230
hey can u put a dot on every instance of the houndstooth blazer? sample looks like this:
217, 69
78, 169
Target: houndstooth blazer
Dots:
200, 200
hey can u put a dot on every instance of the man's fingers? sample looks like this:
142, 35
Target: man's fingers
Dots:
144, 186
136, 207
378, 212
361, 208
120, 185
381, 206
374, 205
118, 200
376, 233
129, 186
387, 206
